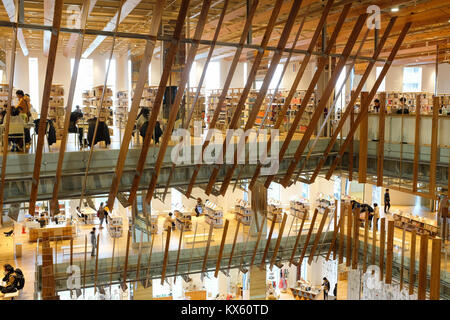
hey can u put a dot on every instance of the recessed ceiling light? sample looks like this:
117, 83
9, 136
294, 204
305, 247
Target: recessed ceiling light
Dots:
394, 9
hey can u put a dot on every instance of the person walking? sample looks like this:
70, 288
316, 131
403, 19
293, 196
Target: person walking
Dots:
93, 242
326, 288
387, 201
101, 215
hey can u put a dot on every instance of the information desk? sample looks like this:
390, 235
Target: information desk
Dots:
60, 231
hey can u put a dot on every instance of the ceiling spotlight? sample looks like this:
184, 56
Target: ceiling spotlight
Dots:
394, 9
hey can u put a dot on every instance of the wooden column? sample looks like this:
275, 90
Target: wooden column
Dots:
277, 244
349, 235
341, 234
382, 244
435, 277
412, 262
366, 241
350, 146
434, 146
355, 255
416, 144
380, 148
363, 138
297, 239
422, 288
389, 251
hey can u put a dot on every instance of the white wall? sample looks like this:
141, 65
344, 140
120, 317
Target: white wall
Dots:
444, 78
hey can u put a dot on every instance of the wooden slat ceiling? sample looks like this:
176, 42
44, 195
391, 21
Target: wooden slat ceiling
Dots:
431, 25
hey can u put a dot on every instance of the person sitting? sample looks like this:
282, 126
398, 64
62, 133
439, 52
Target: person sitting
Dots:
3, 113
33, 112
355, 204
158, 132
16, 132
74, 117
24, 103
9, 279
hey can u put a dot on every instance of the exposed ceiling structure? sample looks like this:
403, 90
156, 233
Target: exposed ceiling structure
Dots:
431, 25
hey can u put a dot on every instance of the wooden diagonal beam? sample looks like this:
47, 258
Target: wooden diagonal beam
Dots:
208, 244
317, 236
7, 116
380, 147
97, 122
417, 144
68, 110
167, 135
295, 84
372, 93
200, 84
224, 93
354, 97
325, 96
349, 69
341, 235
169, 60
132, 114
45, 103
166, 255
261, 93
348, 235
363, 139
269, 238
178, 254
320, 67
258, 238
222, 245
233, 246
297, 239
277, 244
308, 238
243, 98
335, 234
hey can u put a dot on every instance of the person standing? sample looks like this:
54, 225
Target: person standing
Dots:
326, 288
158, 132
93, 242
376, 215
387, 201
376, 105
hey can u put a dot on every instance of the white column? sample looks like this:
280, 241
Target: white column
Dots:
99, 69
121, 72
21, 73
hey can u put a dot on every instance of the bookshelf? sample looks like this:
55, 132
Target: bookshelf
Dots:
56, 109
121, 108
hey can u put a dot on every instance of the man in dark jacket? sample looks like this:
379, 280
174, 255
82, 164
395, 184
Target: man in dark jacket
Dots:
387, 201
